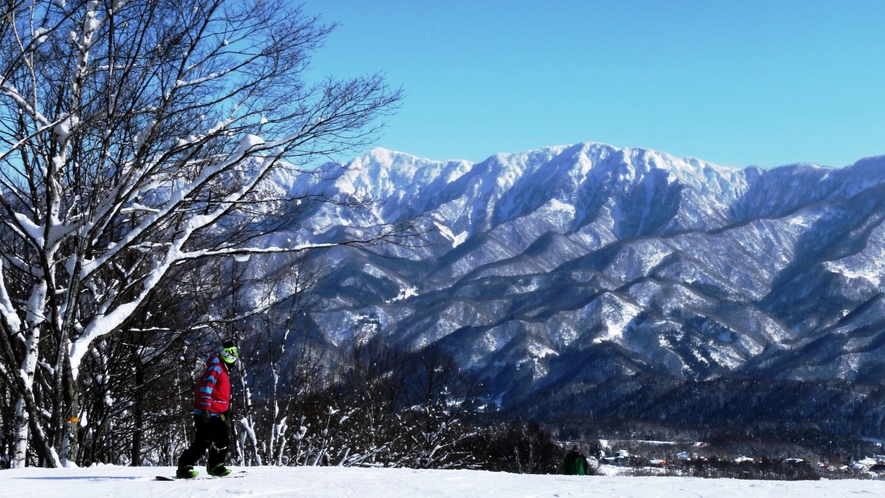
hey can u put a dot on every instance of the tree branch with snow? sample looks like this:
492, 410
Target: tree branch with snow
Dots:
135, 139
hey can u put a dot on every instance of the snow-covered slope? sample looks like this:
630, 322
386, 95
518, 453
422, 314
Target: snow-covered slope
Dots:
537, 262
340, 482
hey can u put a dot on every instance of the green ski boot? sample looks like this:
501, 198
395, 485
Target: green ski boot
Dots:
186, 472
218, 470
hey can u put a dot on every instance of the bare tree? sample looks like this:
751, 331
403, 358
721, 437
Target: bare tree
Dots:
134, 140
386, 406
276, 363
517, 446
434, 411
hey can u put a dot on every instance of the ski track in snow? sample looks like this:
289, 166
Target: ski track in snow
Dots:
337, 482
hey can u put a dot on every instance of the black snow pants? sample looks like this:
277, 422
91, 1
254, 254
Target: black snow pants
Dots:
212, 436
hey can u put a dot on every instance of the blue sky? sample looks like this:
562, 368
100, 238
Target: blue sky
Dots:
736, 83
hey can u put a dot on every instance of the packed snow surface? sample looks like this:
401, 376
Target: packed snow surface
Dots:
339, 482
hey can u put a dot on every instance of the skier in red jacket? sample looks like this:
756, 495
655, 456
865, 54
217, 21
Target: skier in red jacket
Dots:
211, 407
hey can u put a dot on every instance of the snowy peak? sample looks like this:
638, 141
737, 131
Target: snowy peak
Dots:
581, 182
601, 191
401, 181
590, 178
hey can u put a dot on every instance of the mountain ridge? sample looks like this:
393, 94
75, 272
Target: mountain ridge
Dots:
586, 262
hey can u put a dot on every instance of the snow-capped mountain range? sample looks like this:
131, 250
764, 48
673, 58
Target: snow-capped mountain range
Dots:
577, 264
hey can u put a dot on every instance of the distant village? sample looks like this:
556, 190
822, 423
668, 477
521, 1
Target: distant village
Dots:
699, 459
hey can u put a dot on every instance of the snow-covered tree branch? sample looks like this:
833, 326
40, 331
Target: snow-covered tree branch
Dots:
134, 140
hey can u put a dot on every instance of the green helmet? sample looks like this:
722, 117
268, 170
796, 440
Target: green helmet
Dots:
229, 354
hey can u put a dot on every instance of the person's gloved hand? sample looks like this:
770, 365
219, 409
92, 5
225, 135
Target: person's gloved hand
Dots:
206, 416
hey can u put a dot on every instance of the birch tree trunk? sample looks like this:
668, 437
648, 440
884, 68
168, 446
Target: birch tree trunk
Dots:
21, 435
